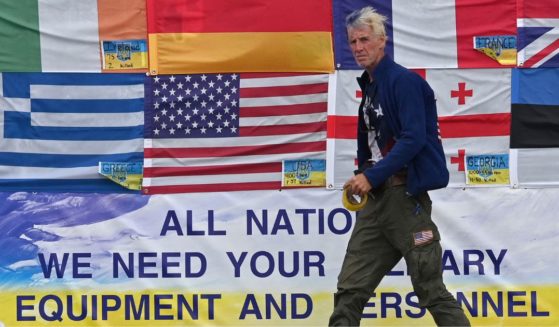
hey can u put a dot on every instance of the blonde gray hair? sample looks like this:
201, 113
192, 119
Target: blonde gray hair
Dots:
367, 16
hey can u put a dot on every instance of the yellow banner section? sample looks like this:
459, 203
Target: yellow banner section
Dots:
512, 306
187, 53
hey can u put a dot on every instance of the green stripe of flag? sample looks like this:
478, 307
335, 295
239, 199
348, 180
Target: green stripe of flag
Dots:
20, 49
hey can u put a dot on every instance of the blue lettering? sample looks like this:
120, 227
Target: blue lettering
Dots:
60, 267
171, 223
192, 310
305, 213
143, 264
21, 307
250, 307
148, 260
211, 306
282, 222
309, 306
53, 262
497, 260
385, 304
211, 225
261, 225
282, 265
512, 303
166, 264
449, 262
56, 314
410, 300
281, 309
118, 261
70, 308
76, 265
487, 300
158, 298
190, 225
319, 263
473, 262
535, 312
106, 307
463, 301
137, 311
237, 263
347, 225
270, 264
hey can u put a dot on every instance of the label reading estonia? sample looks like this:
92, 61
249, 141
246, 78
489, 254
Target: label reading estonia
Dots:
489, 169
304, 172
127, 174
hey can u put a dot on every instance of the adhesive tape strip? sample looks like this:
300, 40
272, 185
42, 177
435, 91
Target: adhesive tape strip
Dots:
350, 202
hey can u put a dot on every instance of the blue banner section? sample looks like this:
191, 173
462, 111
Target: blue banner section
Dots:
343, 57
535, 86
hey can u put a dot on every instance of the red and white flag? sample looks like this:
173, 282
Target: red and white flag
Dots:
344, 97
474, 117
473, 106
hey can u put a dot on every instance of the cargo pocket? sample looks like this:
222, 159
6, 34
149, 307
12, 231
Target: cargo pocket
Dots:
425, 269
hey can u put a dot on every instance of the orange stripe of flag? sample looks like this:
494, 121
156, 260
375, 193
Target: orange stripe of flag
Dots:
122, 20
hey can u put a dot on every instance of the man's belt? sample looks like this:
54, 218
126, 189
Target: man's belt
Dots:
395, 180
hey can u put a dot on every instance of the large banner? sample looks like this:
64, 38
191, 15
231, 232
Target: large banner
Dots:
260, 258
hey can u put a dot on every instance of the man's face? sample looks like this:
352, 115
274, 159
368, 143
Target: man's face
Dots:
367, 48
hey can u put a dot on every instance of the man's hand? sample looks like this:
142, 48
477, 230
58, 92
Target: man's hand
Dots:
358, 184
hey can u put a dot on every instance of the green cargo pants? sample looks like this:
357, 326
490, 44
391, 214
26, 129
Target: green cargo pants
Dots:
391, 226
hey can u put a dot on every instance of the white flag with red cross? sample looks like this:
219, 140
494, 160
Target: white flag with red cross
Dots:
474, 114
474, 117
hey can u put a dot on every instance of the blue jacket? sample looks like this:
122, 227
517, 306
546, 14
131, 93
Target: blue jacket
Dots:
408, 104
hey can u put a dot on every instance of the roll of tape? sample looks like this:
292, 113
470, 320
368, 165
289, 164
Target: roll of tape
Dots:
350, 203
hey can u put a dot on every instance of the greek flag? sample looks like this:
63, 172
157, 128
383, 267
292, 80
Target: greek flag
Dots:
55, 128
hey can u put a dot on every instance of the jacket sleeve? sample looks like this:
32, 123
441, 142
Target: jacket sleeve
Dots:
406, 94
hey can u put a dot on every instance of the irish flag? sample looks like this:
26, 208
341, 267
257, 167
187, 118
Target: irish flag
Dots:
64, 35
200, 36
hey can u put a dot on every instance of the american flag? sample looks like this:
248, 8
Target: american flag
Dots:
423, 237
55, 128
229, 132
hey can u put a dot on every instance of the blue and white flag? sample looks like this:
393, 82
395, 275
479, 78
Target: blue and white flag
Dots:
56, 128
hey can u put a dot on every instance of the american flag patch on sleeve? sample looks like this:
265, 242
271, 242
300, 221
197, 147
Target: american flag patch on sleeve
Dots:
423, 237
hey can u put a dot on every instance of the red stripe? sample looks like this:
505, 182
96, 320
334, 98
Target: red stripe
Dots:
271, 167
342, 127
420, 72
221, 187
542, 54
345, 127
282, 129
474, 18
538, 9
234, 150
475, 125
275, 91
203, 16
297, 109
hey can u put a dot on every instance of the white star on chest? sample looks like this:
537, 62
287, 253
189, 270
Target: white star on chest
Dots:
378, 111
